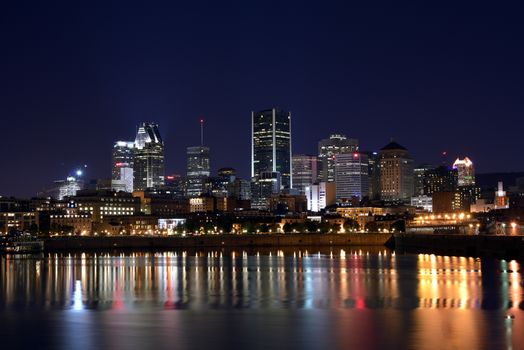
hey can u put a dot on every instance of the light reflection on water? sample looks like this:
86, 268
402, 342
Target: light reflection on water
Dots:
365, 297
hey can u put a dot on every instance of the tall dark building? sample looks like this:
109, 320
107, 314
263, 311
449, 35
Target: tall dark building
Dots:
327, 151
374, 174
271, 144
419, 176
148, 167
440, 179
265, 185
396, 173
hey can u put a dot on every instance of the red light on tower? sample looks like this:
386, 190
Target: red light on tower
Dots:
355, 155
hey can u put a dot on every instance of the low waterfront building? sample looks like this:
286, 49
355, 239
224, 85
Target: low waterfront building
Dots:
170, 226
423, 201
364, 215
77, 224
18, 221
288, 203
105, 203
481, 206
202, 204
164, 205
127, 225
461, 223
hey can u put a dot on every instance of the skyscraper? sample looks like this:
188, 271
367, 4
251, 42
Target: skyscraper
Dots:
440, 179
198, 170
396, 173
271, 144
374, 174
148, 165
304, 171
419, 175
351, 176
122, 166
328, 148
68, 187
266, 184
466, 171
198, 166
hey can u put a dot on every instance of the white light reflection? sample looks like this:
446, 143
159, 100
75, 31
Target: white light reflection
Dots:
77, 296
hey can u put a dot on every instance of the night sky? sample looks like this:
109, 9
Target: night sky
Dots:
75, 77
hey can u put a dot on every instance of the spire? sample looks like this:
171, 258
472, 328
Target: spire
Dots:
201, 131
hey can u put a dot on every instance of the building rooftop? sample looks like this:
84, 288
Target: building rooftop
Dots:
393, 146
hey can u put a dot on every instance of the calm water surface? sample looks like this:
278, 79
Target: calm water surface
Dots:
268, 299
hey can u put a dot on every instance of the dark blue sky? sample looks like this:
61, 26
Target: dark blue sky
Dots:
75, 77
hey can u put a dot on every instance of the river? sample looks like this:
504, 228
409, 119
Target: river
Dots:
324, 298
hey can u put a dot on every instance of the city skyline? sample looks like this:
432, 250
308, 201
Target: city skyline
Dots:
364, 72
82, 171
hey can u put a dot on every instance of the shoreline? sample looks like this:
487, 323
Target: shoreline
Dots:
75, 243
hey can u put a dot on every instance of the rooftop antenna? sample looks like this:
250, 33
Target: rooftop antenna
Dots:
444, 157
201, 131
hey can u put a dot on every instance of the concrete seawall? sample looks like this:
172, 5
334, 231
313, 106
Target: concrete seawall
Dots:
213, 241
462, 245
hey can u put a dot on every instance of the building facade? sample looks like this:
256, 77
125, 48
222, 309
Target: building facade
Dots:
320, 195
351, 176
263, 187
328, 149
465, 170
396, 173
271, 144
440, 179
148, 165
17, 221
68, 187
305, 171
122, 164
198, 170
104, 203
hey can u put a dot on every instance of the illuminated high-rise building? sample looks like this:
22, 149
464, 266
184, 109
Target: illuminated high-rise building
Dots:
198, 170
304, 171
271, 145
198, 166
68, 187
466, 171
148, 164
328, 149
396, 173
351, 176
263, 187
122, 165
419, 176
